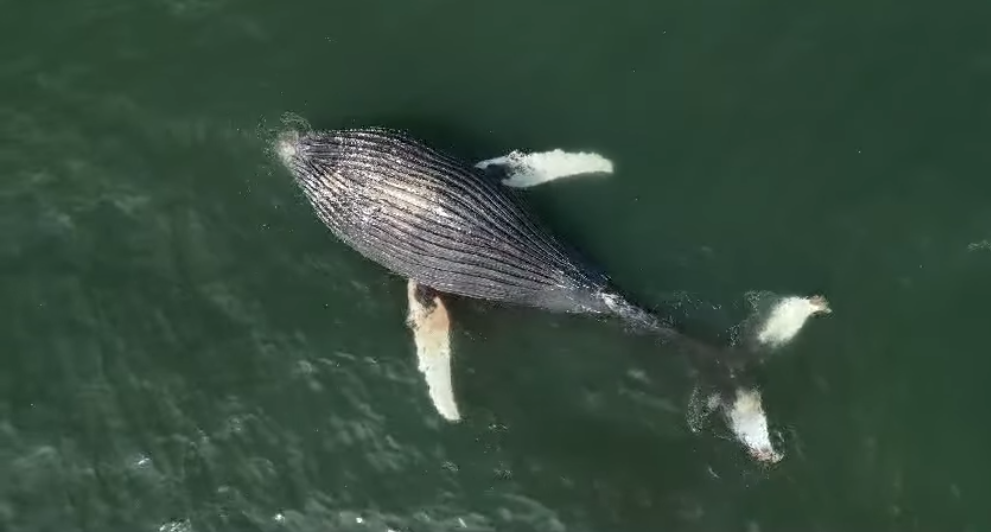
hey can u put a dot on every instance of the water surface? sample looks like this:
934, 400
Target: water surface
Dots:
185, 348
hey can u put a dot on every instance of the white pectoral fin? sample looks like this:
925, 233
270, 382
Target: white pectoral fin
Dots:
524, 170
431, 326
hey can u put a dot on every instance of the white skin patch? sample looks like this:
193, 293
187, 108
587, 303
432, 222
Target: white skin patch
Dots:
431, 328
524, 170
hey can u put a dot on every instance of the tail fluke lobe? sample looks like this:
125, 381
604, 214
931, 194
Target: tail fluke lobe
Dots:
723, 375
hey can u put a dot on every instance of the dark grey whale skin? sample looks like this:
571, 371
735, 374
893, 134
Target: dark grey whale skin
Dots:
427, 216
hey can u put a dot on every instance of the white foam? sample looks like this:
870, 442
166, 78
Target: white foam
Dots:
525, 170
285, 146
176, 526
983, 245
787, 318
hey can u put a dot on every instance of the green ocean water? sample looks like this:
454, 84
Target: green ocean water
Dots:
185, 348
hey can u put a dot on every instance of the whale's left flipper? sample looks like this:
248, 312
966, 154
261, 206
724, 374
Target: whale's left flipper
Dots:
524, 170
431, 326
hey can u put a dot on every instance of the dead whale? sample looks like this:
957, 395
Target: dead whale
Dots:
450, 228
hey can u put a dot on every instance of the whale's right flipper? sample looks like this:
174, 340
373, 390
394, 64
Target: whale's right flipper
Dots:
524, 170
431, 326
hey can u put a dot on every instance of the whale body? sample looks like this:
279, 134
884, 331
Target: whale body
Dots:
450, 227
434, 219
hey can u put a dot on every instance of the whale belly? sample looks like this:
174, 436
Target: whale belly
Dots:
431, 218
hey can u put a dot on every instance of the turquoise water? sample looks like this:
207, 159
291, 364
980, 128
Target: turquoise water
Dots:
185, 348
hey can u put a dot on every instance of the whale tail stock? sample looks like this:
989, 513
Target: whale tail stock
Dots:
720, 367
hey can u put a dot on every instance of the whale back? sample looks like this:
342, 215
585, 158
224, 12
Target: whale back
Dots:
429, 217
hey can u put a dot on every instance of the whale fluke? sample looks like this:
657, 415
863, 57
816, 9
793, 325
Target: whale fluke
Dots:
448, 228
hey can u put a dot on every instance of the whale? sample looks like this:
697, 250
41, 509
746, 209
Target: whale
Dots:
451, 228
431, 218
